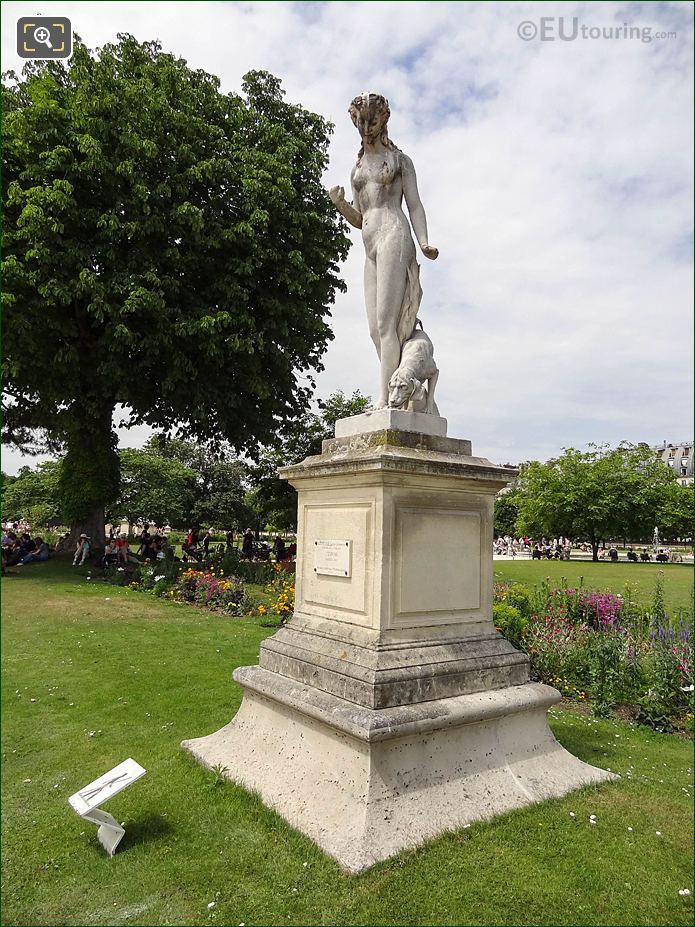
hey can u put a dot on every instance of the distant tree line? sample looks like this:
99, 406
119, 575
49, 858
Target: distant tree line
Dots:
595, 496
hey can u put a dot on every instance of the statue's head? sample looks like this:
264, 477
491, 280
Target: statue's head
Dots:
370, 113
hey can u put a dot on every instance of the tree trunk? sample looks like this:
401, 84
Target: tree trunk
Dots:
90, 472
93, 527
594, 549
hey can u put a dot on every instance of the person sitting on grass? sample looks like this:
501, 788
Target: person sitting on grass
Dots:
39, 554
62, 542
110, 554
84, 548
153, 549
123, 548
22, 548
9, 539
10, 545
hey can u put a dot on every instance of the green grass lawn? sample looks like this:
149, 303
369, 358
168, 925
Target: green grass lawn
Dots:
94, 674
606, 576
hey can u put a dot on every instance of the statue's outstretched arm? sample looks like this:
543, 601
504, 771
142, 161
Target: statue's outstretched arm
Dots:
415, 207
353, 215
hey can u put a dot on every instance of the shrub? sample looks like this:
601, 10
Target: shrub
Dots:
669, 677
516, 595
604, 653
258, 572
509, 622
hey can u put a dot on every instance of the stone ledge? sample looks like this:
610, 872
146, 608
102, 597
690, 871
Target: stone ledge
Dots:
380, 457
375, 725
396, 419
396, 438
385, 678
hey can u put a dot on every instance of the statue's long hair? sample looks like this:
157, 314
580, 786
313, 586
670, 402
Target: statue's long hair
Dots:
363, 101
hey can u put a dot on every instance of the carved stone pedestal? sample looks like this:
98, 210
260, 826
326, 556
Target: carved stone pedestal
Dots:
389, 709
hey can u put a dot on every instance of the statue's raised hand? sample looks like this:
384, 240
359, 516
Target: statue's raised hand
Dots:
337, 195
430, 251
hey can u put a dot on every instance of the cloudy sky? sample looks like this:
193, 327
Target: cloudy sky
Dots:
556, 176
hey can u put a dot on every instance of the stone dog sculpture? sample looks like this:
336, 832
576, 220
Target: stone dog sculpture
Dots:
407, 385
381, 179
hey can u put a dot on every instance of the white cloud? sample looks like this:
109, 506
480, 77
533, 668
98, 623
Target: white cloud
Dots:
556, 177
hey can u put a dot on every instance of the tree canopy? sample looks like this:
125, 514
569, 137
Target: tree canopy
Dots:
600, 494
274, 499
217, 493
169, 250
33, 495
153, 489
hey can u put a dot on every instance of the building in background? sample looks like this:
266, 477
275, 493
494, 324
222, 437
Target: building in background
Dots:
679, 457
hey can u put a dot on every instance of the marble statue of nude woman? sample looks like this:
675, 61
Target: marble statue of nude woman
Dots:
381, 178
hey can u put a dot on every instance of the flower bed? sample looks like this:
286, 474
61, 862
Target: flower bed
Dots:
211, 590
281, 595
179, 582
605, 647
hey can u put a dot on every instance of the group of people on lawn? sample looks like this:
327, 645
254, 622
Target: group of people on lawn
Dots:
195, 549
19, 549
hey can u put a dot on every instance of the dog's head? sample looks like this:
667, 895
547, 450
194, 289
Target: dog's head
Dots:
403, 389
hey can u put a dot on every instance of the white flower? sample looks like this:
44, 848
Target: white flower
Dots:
687, 689
121, 569
572, 814
157, 578
630, 829
592, 822
684, 891
211, 904
592, 817
658, 833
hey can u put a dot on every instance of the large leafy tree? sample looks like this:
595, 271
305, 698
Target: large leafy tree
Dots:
169, 250
598, 494
218, 493
274, 500
153, 489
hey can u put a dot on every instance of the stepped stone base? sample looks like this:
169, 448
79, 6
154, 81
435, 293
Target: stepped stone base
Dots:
365, 784
389, 709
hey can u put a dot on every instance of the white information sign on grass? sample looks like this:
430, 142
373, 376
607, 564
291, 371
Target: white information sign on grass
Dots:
333, 558
86, 802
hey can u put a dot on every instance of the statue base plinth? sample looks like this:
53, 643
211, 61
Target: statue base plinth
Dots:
390, 420
389, 709
367, 784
